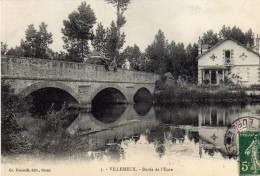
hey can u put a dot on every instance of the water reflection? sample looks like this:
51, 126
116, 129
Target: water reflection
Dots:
108, 113
167, 131
142, 108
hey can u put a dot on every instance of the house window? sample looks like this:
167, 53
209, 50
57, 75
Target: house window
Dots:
227, 54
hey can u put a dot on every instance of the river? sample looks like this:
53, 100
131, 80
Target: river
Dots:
181, 138
193, 130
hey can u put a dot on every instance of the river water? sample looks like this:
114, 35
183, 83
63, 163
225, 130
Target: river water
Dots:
187, 134
193, 130
180, 139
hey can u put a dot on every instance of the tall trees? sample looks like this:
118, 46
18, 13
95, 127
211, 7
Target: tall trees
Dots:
107, 41
77, 31
157, 53
99, 40
36, 43
29, 45
121, 6
235, 33
210, 38
17, 51
3, 48
192, 62
42, 41
114, 42
136, 58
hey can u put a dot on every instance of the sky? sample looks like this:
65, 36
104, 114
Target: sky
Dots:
180, 20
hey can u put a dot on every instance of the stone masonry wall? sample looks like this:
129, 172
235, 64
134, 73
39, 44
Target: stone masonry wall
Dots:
40, 69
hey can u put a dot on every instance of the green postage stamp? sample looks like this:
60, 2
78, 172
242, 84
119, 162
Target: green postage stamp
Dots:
249, 153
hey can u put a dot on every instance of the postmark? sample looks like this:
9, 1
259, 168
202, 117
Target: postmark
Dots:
242, 124
249, 153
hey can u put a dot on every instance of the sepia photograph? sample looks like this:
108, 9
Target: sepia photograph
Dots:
130, 87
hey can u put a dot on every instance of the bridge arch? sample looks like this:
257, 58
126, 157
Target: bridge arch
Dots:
97, 90
46, 84
142, 93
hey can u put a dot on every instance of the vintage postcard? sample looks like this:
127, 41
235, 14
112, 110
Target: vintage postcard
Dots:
130, 87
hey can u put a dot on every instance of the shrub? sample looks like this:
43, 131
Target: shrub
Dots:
201, 93
12, 107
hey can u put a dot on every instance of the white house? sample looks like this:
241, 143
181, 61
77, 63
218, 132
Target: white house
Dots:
227, 58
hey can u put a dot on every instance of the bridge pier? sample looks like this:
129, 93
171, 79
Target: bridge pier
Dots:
86, 107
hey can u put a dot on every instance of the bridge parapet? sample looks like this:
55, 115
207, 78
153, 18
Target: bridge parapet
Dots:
41, 69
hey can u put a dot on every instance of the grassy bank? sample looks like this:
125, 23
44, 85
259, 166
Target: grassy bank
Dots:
175, 93
22, 133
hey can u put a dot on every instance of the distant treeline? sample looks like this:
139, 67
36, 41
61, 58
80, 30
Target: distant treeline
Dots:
159, 57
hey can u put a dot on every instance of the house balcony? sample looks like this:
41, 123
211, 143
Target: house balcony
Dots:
228, 63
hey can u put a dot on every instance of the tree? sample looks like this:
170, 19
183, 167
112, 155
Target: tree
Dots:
121, 6
77, 31
210, 38
29, 45
3, 48
135, 57
17, 51
157, 53
192, 62
99, 40
177, 61
113, 41
235, 33
42, 41
107, 41
36, 43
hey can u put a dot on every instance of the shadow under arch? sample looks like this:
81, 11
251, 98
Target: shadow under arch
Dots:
108, 105
43, 95
42, 84
143, 95
142, 108
113, 86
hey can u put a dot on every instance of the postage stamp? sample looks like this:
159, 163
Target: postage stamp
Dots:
243, 124
249, 153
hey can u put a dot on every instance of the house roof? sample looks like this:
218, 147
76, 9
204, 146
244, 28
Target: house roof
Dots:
222, 41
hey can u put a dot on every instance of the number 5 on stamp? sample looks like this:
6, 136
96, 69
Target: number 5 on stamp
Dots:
249, 153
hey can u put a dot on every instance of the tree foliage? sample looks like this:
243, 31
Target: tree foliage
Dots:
77, 31
17, 51
210, 38
3, 48
36, 43
235, 33
99, 40
157, 53
11, 106
138, 60
114, 41
121, 6
171, 57
107, 41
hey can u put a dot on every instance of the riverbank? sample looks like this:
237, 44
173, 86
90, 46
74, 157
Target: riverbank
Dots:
176, 93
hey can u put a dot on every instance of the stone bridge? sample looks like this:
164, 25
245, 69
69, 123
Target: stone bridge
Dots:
82, 81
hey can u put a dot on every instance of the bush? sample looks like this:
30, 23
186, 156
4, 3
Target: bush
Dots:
254, 87
12, 107
201, 93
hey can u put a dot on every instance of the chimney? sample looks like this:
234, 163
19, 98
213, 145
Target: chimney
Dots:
248, 45
204, 48
199, 46
257, 41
